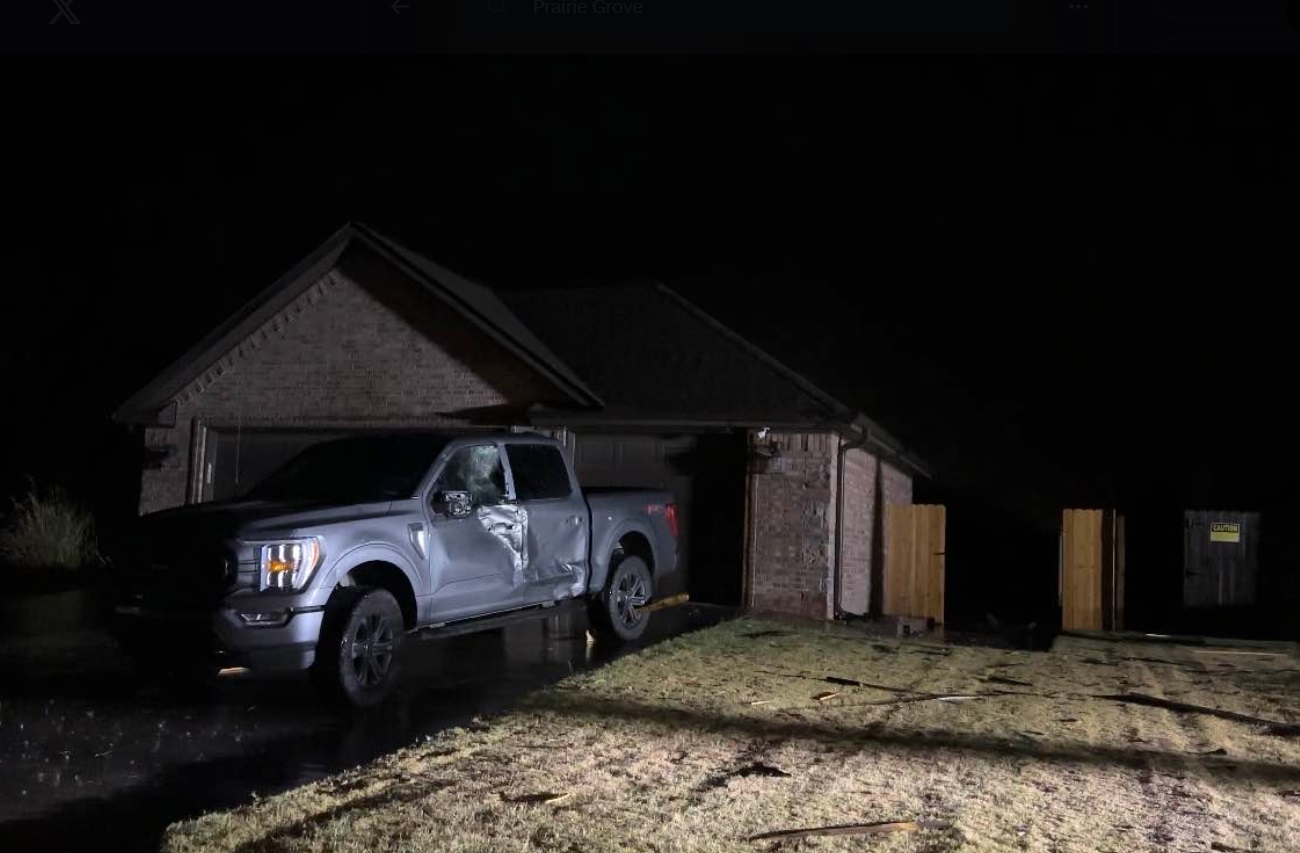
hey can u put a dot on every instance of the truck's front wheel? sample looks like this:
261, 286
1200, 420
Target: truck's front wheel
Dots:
618, 612
357, 658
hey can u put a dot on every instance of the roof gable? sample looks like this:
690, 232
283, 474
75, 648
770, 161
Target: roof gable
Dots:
475, 303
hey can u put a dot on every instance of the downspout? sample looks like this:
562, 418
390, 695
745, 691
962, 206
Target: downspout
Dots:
845, 447
751, 516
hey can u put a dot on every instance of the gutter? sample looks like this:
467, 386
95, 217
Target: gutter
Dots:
889, 448
866, 431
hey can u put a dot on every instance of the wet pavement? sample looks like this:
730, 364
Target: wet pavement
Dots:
91, 756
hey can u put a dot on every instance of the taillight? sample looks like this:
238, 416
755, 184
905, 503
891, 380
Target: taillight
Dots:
670, 515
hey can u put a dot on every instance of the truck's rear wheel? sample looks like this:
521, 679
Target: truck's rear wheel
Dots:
357, 658
617, 613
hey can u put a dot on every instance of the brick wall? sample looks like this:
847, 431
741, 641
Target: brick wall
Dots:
858, 521
793, 536
342, 354
793, 533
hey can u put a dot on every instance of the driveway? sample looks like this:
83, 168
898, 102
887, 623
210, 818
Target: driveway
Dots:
88, 754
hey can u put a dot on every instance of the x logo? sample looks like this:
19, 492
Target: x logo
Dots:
65, 12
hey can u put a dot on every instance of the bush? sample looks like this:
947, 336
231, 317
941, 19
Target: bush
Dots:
48, 531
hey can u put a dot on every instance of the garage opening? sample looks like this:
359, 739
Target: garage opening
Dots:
706, 474
235, 460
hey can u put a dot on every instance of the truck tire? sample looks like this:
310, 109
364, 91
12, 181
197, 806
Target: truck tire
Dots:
616, 613
357, 656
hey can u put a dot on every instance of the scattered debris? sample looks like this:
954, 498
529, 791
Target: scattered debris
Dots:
768, 633
1274, 727
844, 682
826, 694
762, 702
922, 650
1151, 660
670, 601
928, 697
543, 798
847, 682
1130, 636
1219, 751
1234, 652
999, 679
1225, 848
758, 768
1068, 720
853, 829
1289, 795
909, 626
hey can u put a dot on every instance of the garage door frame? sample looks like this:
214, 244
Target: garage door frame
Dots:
708, 554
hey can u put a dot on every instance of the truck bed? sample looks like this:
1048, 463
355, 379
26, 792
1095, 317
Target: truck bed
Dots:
616, 512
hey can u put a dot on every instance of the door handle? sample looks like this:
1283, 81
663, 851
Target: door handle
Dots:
576, 519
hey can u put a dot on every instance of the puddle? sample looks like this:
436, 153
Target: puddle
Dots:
90, 756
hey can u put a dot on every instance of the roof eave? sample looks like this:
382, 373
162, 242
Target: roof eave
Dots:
854, 421
560, 418
873, 436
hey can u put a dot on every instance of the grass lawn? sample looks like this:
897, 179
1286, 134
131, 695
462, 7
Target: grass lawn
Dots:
706, 741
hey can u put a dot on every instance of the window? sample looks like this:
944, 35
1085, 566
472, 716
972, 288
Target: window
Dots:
476, 470
540, 472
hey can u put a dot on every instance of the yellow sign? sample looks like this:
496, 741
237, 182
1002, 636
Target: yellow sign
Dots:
1222, 531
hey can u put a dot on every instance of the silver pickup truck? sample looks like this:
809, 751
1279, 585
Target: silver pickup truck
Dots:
328, 563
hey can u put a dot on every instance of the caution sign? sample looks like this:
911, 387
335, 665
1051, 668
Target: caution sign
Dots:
1223, 531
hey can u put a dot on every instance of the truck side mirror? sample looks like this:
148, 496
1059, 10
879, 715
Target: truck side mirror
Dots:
454, 504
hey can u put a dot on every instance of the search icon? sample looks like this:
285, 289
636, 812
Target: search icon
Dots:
497, 7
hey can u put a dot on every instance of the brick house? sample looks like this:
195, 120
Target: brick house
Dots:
781, 487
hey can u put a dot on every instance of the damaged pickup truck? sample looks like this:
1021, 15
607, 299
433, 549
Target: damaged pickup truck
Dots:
328, 563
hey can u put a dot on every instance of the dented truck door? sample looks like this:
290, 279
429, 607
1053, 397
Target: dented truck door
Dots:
476, 553
557, 522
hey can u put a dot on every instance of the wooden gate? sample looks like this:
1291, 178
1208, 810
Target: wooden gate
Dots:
1092, 570
914, 560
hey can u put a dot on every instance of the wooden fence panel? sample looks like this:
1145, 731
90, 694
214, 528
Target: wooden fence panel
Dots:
1081, 570
1092, 570
914, 564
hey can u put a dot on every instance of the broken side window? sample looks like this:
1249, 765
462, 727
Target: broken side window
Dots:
476, 470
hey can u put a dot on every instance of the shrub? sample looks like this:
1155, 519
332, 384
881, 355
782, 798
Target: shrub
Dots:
48, 530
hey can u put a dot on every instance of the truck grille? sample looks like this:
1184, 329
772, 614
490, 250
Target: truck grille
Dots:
180, 578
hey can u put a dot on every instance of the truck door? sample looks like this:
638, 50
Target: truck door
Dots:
557, 535
476, 559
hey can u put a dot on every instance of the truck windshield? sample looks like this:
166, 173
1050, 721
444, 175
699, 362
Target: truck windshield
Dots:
353, 469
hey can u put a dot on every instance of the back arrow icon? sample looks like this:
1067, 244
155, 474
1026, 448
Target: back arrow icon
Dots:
398, 6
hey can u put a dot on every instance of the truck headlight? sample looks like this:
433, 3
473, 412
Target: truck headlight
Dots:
289, 565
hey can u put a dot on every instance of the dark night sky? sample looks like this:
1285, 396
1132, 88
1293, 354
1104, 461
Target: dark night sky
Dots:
1061, 284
